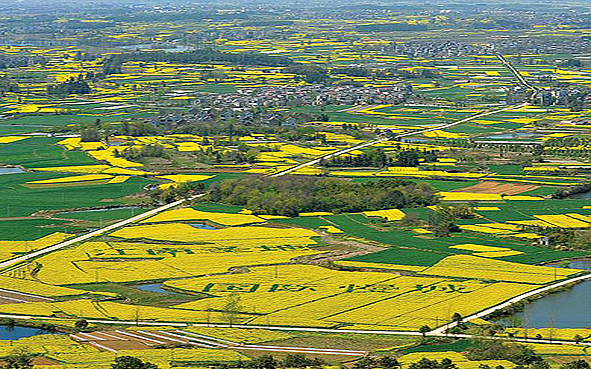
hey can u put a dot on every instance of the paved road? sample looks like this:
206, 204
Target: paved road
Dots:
435, 333
98, 232
477, 116
61, 245
516, 73
371, 143
328, 156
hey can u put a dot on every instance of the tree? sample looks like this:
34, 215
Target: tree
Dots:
81, 324
494, 350
425, 363
232, 308
130, 362
424, 330
301, 361
311, 73
19, 359
408, 158
577, 364
366, 362
540, 364
264, 362
90, 135
447, 364
388, 362
457, 317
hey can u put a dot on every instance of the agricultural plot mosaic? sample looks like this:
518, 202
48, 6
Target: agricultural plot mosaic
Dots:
369, 186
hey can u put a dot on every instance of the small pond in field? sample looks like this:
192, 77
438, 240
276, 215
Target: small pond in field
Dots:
157, 287
11, 170
202, 226
14, 333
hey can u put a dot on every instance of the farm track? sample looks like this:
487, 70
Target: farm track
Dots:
98, 232
11, 297
210, 341
205, 341
114, 341
515, 72
437, 332
374, 142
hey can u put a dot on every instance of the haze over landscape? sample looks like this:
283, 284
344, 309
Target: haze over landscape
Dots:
295, 184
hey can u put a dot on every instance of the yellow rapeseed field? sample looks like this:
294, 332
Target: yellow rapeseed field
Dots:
390, 215
460, 360
133, 261
192, 214
9, 249
11, 139
183, 178
331, 229
185, 233
480, 248
468, 266
563, 221
118, 179
469, 196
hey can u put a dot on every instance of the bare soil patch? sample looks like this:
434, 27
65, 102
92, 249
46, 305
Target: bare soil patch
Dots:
498, 188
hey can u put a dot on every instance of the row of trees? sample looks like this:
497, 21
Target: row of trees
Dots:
147, 151
71, 87
411, 157
17, 61
574, 190
371, 158
7, 86
521, 355
378, 158
202, 56
269, 362
390, 27
442, 221
160, 196
497, 350
291, 195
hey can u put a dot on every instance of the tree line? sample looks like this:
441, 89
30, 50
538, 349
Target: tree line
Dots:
73, 86
292, 195
200, 56
18, 61
377, 158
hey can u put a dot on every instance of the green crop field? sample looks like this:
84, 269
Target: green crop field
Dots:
18, 200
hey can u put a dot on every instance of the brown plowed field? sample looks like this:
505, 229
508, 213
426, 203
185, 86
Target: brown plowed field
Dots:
8, 297
498, 188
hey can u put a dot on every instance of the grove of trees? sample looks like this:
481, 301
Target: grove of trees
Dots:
291, 195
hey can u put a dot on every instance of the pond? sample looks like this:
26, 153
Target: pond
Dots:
170, 49
11, 170
14, 333
414, 139
513, 135
202, 226
584, 195
570, 308
156, 287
